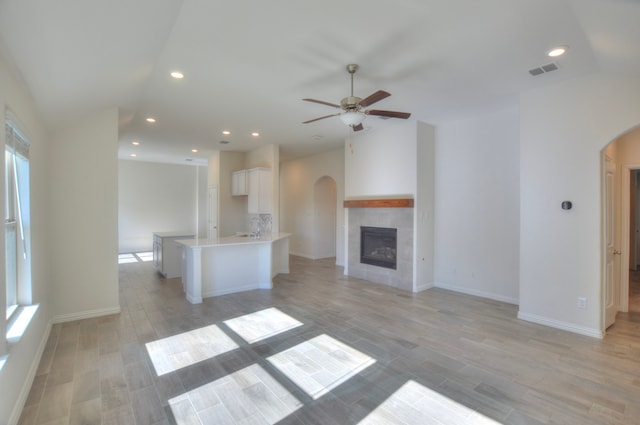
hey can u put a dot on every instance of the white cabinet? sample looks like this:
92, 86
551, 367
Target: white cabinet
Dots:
167, 254
239, 183
260, 190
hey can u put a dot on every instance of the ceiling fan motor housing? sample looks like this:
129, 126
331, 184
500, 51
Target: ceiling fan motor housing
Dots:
350, 103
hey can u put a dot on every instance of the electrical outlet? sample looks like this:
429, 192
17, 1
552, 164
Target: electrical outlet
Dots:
582, 303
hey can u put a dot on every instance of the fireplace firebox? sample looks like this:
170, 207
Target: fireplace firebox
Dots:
378, 246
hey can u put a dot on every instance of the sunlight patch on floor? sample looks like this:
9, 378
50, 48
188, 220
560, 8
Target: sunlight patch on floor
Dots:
249, 395
145, 256
178, 351
135, 257
262, 324
416, 404
320, 364
127, 258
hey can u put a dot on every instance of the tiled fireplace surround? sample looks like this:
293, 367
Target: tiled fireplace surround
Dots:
398, 218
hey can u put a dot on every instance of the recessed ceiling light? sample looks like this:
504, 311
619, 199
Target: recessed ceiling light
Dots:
226, 132
194, 150
151, 120
133, 155
557, 51
135, 143
255, 134
177, 75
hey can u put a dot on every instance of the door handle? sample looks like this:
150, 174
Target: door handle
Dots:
616, 252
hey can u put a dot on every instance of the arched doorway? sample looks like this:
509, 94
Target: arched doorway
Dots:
620, 225
324, 220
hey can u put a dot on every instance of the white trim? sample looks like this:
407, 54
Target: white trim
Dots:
237, 289
423, 286
565, 326
28, 382
89, 314
194, 300
309, 257
476, 293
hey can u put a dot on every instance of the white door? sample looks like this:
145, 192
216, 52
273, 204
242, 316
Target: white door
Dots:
212, 213
611, 283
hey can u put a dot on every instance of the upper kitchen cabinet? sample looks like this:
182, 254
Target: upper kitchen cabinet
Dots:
239, 186
260, 190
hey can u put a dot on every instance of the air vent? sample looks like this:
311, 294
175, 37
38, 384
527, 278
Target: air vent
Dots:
543, 69
224, 142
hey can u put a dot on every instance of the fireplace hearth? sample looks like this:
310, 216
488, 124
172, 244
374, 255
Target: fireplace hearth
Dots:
379, 246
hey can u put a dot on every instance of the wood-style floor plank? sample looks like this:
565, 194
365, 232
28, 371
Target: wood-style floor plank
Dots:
437, 356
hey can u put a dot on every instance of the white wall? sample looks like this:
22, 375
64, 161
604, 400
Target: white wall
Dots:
18, 372
202, 198
477, 206
83, 217
297, 179
629, 147
424, 214
563, 129
156, 197
324, 221
392, 148
396, 159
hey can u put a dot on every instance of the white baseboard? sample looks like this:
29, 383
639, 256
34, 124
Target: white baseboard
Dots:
299, 254
89, 314
423, 286
570, 327
31, 375
262, 285
194, 300
474, 292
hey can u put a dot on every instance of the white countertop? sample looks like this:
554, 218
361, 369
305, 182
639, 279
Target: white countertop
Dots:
174, 234
232, 240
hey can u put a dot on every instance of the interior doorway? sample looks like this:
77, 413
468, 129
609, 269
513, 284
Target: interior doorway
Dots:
624, 223
634, 236
324, 223
631, 294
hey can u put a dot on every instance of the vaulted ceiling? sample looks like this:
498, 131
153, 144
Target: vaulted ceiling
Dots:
248, 63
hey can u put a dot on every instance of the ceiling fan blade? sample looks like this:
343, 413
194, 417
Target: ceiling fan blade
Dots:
322, 102
357, 127
321, 118
376, 97
390, 114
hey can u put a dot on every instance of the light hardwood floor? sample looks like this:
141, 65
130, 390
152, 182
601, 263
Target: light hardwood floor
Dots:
402, 358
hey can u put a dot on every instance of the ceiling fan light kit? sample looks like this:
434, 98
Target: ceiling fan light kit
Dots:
353, 106
352, 117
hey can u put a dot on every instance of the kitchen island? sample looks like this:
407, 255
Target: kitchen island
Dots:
225, 265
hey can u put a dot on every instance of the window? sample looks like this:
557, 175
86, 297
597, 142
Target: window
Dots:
17, 221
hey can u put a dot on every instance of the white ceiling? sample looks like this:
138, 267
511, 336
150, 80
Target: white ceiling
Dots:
248, 63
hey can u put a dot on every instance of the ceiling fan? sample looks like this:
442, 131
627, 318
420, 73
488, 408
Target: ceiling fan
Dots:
353, 112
